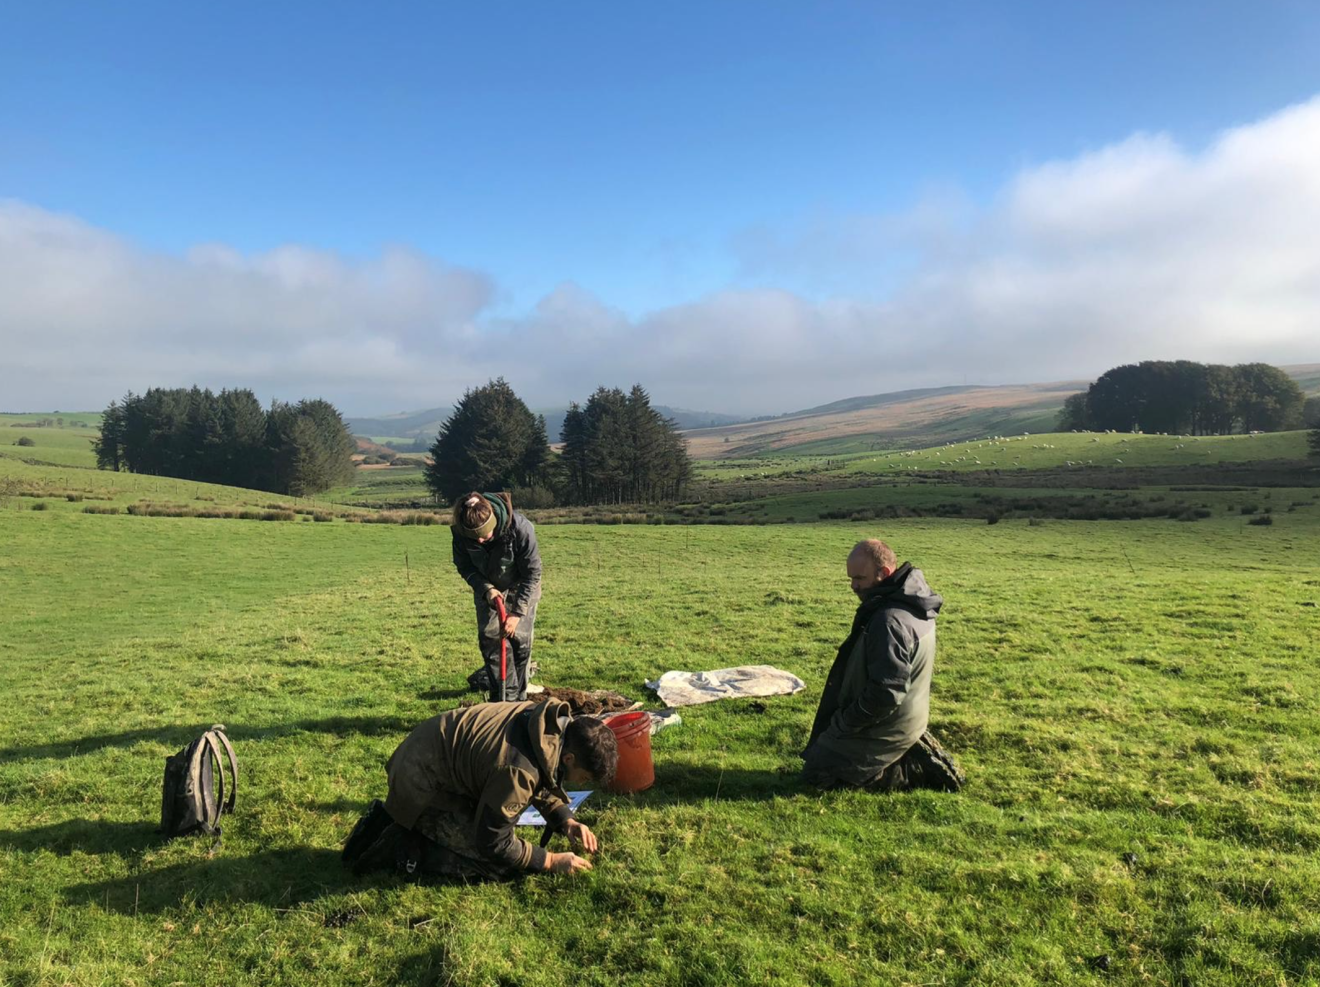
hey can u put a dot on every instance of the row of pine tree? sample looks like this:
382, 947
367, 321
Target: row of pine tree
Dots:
193, 434
616, 449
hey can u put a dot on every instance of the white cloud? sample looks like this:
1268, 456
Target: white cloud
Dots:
1139, 250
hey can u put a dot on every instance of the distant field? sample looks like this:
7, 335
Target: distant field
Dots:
1135, 704
62, 446
1079, 451
384, 486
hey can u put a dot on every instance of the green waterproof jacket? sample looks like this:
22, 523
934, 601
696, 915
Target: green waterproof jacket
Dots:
876, 701
486, 763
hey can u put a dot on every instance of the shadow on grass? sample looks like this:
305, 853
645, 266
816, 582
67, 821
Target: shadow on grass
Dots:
676, 783
278, 878
177, 737
126, 839
443, 695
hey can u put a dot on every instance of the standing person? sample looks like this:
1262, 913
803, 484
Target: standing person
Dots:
495, 552
460, 780
870, 729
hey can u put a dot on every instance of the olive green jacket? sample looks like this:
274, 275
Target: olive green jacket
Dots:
485, 763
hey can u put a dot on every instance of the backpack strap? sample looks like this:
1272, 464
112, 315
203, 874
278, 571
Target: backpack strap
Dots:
218, 732
197, 769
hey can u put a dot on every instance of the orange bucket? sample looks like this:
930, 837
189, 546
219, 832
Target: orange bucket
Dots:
635, 772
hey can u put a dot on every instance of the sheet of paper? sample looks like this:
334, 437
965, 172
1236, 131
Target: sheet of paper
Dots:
531, 817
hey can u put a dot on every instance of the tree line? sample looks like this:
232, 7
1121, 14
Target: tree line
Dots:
616, 449
1187, 398
194, 434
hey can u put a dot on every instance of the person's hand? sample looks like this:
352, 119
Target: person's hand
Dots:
581, 836
511, 624
492, 595
568, 863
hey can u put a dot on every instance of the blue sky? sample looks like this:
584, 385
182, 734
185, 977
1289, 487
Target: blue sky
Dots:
636, 158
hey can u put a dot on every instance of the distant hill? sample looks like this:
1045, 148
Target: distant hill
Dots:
406, 427
901, 419
1307, 376
897, 419
910, 419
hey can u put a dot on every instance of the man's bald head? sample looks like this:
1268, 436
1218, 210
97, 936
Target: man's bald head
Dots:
870, 562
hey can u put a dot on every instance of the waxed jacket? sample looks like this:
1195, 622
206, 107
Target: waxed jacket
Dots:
876, 701
485, 763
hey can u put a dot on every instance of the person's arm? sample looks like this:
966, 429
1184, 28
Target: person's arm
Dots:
502, 802
527, 559
463, 563
556, 811
888, 654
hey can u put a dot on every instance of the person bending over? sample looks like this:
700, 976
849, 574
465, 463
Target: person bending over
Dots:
460, 780
496, 554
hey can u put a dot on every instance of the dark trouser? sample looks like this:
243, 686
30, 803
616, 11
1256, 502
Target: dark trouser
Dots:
439, 845
452, 853
924, 765
520, 648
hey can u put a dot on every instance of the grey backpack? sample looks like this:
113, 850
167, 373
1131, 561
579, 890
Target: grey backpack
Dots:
194, 796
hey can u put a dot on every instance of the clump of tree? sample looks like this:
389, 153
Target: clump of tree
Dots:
1314, 441
618, 449
492, 441
1311, 413
228, 438
1184, 397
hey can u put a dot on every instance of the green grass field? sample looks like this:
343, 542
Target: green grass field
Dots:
1135, 704
69, 444
1080, 450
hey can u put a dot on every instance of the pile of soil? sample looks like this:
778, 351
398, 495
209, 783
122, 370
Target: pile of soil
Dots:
588, 703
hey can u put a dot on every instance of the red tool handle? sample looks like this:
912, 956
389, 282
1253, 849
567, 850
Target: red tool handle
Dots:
504, 644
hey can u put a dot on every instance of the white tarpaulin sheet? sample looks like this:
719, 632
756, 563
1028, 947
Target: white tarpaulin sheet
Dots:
691, 688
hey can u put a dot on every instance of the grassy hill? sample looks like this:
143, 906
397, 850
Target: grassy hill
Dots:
908, 418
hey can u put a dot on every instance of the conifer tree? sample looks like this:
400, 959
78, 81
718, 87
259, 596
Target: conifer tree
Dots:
491, 441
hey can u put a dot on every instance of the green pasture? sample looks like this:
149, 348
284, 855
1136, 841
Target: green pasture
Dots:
67, 446
1083, 450
949, 499
1135, 704
384, 486
71, 489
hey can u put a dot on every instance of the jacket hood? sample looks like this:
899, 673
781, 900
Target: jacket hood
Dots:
545, 729
502, 504
906, 588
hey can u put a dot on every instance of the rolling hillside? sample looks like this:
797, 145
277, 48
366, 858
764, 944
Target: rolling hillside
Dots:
909, 419
883, 421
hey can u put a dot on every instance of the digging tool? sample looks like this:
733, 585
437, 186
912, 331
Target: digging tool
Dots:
504, 646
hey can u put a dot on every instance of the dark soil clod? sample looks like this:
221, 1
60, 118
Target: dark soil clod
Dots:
588, 703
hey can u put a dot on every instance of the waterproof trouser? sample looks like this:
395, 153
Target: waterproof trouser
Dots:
520, 648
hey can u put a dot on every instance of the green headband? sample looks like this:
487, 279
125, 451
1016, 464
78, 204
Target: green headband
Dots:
481, 530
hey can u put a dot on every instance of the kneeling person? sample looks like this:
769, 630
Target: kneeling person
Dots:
870, 728
460, 780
